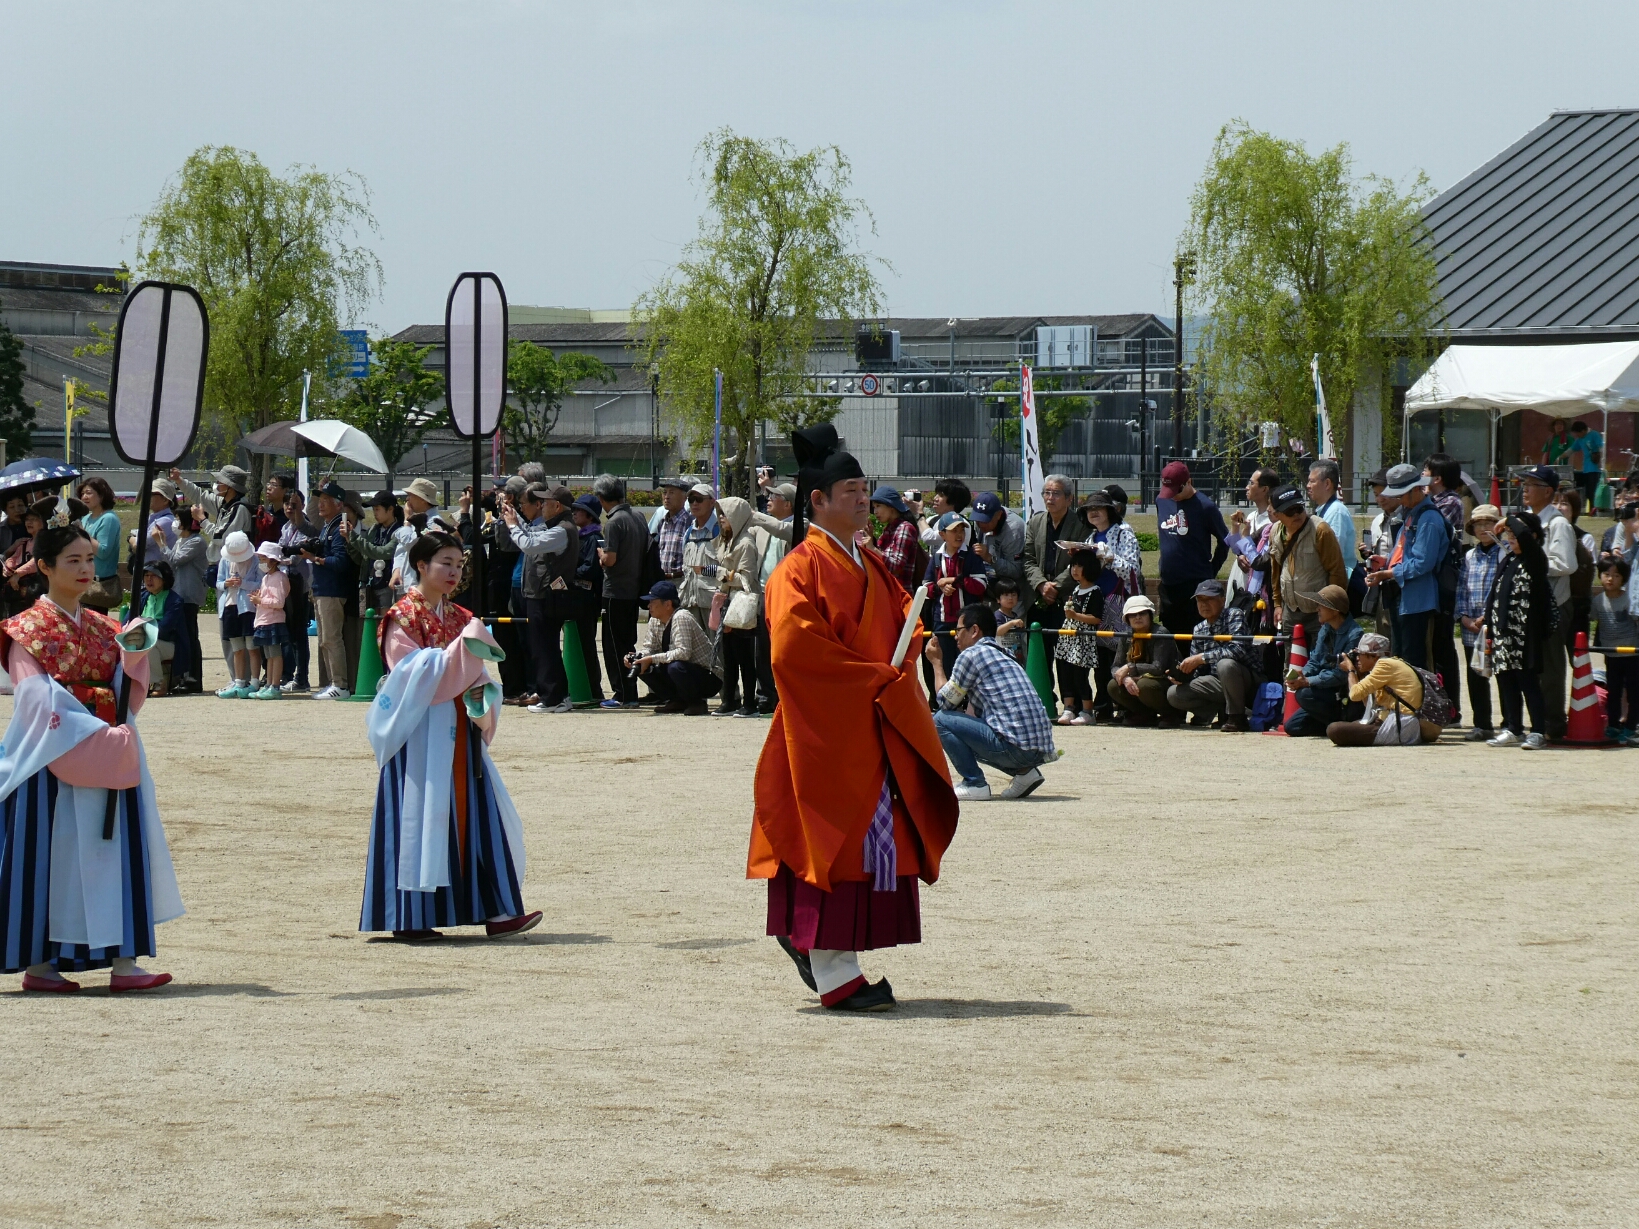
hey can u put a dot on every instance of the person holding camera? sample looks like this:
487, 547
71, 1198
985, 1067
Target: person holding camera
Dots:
335, 584
675, 660
1392, 693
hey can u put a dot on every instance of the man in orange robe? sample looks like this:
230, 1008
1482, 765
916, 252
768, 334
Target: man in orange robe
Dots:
853, 797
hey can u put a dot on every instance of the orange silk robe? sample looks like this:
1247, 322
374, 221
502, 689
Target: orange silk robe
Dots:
845, 715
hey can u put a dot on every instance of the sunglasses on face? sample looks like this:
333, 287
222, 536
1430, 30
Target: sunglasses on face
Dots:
697, 499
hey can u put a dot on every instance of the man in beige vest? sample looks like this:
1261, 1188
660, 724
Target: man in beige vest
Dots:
1304, 558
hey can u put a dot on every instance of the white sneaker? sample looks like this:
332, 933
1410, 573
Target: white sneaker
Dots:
289, 687
1024, 784
1083, 718
326, 693
1504, 738
1534, 742
972, 793
341, 694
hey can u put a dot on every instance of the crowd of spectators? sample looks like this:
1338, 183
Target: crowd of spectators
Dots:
1384, 613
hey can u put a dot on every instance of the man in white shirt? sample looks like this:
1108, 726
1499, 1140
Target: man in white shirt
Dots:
1537, 490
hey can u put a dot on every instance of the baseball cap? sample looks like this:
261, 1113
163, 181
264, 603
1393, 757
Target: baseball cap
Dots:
1210, 588
985, 505
786, 491
1174, 478
384, 499
1334, 597
1287, 499
1547, 475
333, 489
663, 591
1380, 478
1402, 478
885, 495
951, 520
562, 495
703, 490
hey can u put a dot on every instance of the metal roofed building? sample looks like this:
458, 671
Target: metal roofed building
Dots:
1540, 245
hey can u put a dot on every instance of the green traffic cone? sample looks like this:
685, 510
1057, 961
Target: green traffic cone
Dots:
574, 667
370, 667
1041, 674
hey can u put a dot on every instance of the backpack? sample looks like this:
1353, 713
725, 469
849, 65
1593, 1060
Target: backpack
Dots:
1582, 578
1268, 708
1436, 706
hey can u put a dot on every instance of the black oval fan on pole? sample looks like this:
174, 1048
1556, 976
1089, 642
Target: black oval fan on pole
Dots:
475, 339
154, 397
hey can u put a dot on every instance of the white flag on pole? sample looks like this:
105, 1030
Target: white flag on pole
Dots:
1029, 444
1322, 418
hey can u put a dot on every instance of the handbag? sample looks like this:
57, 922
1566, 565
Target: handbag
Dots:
105, 592
741, 613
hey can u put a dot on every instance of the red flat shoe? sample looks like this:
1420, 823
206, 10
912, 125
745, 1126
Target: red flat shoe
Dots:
138, 981
41, 985
513, 925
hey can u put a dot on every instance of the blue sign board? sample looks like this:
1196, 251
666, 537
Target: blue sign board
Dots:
357, 342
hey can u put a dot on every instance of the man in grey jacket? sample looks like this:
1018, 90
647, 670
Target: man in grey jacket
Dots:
545, 534
1537, 490
999, 541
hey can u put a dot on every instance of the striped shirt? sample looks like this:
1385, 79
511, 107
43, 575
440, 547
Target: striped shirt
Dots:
1001, 693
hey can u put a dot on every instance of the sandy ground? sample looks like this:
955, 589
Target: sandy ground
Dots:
1197, 979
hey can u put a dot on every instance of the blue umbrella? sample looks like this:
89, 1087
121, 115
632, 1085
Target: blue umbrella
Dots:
36, 471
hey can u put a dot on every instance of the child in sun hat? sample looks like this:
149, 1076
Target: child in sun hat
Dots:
238, 578
270, 635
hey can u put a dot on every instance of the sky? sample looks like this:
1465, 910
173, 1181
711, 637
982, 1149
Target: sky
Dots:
1018, 159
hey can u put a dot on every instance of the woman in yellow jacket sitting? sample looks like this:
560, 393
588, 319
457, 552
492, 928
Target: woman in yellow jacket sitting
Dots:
1392, 693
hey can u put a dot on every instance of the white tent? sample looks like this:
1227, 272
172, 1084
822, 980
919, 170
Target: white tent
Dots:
1561, 381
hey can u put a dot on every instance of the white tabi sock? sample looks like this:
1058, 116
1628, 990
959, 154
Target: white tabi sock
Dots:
44, 972
126, 966
836, 974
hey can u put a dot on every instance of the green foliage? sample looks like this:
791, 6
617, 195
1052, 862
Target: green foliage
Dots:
16, 415
398, 402
1295, 257
1053, 414
537, 381
1148, 541
276, 263
775, 255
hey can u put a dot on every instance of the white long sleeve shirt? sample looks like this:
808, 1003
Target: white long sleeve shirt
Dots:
1559, 544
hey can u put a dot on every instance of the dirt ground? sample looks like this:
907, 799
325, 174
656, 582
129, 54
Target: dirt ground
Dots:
1197, 979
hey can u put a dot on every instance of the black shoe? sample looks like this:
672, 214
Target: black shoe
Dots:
1202, 719
805, 969
869, 998
417, 936
697, 709
669, 706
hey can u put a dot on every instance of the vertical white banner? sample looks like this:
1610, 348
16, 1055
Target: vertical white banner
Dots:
1029, 444
1323, 428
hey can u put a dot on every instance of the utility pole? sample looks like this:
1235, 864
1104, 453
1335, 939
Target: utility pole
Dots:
1183, 271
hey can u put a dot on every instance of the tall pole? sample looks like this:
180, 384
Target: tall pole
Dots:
1182, 267
717, 436
479, 594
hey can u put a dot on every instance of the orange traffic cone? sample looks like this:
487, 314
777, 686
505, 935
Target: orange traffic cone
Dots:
1585, 725
1298, 659
1496, 492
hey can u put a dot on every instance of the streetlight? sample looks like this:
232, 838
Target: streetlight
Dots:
654, 421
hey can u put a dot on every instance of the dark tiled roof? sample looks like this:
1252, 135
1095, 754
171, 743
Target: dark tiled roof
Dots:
14, 298
1544, 238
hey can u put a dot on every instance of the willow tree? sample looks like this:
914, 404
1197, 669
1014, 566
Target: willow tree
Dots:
279, 263
776, 255
1296, 257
